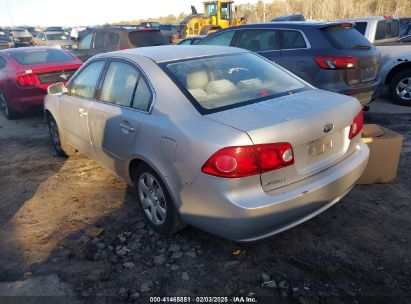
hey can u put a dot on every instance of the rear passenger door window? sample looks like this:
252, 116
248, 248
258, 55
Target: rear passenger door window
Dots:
292, 40
112, 40
259, 40
223, 39
99, 40
119, 84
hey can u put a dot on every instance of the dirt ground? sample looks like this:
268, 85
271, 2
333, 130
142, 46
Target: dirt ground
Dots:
358, 251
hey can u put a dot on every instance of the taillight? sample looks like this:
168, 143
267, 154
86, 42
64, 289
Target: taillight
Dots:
335, 62
27, 79
356, 125
241, 161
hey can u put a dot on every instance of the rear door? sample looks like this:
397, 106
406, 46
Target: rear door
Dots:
115, 119
296, 54
74, 106
265, 42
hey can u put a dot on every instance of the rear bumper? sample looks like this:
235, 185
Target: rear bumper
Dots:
22, 99
364, 93
255, 214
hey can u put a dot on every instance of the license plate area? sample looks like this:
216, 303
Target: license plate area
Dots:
320, 148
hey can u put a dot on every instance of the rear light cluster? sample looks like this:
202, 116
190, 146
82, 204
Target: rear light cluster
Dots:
27, 79
335, 62
241, 161
356, 125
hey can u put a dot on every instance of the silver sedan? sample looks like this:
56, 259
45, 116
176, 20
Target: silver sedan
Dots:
219, 138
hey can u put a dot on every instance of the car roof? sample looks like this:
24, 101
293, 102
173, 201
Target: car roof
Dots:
166, 53
287, 24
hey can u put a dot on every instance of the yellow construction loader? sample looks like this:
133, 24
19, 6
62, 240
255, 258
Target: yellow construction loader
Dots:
217, 15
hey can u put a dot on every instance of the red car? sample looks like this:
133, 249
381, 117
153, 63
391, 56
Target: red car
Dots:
26, 73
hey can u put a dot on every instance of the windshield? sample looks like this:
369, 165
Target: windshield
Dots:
217, 83
57, 36
33, 57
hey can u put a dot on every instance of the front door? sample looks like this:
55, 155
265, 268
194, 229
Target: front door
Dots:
74, 106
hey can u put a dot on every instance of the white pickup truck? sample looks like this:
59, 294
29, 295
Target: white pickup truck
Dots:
395, 71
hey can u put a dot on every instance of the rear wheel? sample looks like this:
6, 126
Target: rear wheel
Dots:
155, 201
400, 88
9, 113
62, 147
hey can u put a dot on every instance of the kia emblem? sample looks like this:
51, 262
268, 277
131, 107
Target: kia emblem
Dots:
328, 127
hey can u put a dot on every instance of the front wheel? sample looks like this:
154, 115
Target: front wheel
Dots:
155, 201
61, 146
400, 88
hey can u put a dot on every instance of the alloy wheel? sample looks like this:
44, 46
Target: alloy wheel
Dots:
403, 89
152, 198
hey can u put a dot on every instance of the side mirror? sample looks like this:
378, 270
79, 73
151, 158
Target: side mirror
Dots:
57, 89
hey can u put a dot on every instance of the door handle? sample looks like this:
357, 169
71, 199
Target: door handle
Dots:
126, 128
82, 112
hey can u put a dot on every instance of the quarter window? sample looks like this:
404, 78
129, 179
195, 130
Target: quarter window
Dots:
259, 40
84, 85
85, 43
223, 39
293, 40
119, 84
143, 96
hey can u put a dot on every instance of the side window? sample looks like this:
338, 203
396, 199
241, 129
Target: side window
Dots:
99, 40
223, 39
259, 40
3, 62
380, 32
84, 85
143, 96
395, 28
293, 40
85, 43
119, 83
112, 40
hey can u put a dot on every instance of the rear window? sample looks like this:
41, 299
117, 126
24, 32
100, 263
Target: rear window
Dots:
229, 81
33, 57
59, 36
344, 38
147, 38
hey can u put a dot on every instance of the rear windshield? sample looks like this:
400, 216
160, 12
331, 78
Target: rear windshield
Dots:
345, 38
229, 81
60, 36
147, 38
33, 57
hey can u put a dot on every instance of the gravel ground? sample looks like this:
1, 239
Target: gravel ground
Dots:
358, 251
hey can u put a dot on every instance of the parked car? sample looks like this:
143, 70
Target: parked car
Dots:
20, 36
5, 40
107, 39
330, 55
216, 137
25, 74
32, 30
170, 31
192, 40
395, 71
53, 39
57, 29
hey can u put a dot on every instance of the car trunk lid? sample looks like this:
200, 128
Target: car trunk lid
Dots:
316, 123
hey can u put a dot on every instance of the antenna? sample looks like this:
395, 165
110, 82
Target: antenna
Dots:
10, 15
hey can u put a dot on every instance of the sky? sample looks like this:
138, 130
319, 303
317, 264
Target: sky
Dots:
89, 12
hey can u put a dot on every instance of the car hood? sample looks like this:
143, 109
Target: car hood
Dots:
60, 42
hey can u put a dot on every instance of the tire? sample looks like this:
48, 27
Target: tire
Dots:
8, 113
400, 88
155, 202
62, 147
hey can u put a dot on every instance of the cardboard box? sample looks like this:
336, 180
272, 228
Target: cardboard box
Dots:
385, 150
